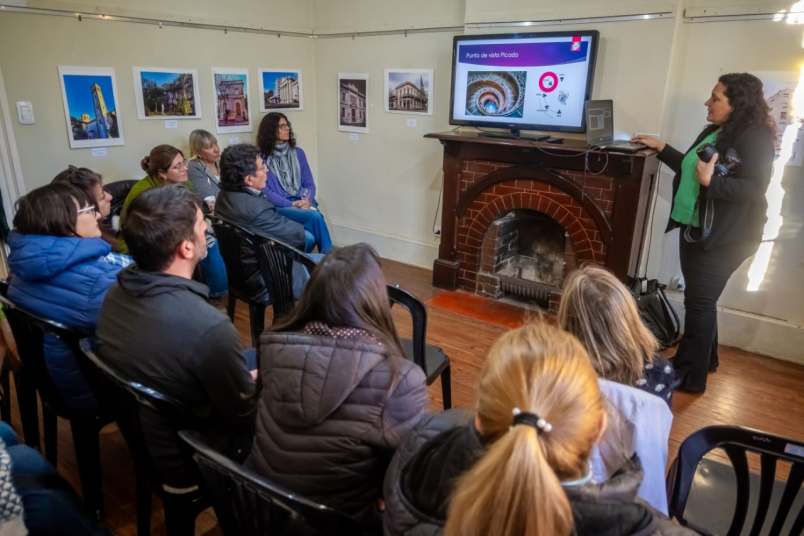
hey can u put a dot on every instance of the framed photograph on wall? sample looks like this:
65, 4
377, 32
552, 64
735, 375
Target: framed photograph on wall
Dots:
232, 113
91, 106
353, 102
164, 93
409, 91
281, 90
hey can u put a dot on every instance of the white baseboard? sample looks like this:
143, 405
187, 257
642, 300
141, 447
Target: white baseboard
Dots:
753, 333
388, 246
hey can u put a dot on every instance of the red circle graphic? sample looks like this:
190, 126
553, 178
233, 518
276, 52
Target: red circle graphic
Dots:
544, 77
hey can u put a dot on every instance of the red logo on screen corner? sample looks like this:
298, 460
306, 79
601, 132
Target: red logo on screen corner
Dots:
576, 43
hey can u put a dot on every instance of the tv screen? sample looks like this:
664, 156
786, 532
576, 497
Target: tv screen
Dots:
536, 81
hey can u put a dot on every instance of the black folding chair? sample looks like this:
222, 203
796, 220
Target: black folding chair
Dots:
717, 483
119, 191
247, 504
237, 244
29, 332
432, 359
276, 260
130, 399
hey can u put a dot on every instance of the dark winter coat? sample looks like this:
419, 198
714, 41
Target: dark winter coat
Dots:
738, 200
65, 279
331, 413
443, 447
159, 330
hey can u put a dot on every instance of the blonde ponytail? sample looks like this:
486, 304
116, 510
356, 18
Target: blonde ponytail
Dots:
515, 488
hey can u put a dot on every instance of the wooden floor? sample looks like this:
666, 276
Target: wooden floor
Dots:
747, 390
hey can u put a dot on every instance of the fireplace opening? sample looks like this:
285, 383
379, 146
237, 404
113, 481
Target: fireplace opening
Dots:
525, 255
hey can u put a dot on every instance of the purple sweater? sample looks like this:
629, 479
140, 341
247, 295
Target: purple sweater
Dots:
277, 195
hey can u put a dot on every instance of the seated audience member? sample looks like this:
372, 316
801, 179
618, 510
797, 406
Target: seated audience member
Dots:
243, 175
202, 169
338, 396
92, 185
157, 328
61, 269
35, 497
290, 185
520, 465
601, 312
165, 165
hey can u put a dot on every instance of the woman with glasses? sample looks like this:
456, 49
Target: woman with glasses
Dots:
165, 164
290, 186
61, 269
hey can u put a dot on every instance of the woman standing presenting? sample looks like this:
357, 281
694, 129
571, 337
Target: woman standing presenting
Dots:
719, 210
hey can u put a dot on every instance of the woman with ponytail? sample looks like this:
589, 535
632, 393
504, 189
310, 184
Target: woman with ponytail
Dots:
520, 465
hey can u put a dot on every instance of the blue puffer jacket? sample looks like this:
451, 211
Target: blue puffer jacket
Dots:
64, 279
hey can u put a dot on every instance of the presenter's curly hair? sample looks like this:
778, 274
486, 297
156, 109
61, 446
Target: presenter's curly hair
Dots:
266, 135
749, 109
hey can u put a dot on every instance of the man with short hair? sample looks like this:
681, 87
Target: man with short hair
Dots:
157, 328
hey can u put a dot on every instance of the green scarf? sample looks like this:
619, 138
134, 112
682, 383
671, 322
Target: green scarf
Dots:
685, 202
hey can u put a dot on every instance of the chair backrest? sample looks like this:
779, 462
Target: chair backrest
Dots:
418, 314
129, 399
29, 332
137, 392
276, 260
249, 504
736, 441
119, 191
236, 246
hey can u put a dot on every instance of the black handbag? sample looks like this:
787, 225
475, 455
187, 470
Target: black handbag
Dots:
656, 312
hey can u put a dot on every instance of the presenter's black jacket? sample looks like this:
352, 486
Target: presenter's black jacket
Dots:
443, 447
739, 199
159, 330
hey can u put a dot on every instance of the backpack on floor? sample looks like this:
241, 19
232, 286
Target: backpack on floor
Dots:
656, 312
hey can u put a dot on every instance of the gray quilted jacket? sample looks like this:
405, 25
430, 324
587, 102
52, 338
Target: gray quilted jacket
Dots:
331, 413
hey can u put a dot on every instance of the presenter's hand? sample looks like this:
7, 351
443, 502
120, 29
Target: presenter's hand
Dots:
650, 142
704, 170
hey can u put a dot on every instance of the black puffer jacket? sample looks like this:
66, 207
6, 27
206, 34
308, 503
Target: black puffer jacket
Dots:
442, 447
331, 413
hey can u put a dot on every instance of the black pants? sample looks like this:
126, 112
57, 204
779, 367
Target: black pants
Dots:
706, 273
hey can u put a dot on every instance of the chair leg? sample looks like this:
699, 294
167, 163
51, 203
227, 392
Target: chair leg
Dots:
29, 409
231, 305
180, 514
143, 505
256, 315
446, 388
87, 453
50, 423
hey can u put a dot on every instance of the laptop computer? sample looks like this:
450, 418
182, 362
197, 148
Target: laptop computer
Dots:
600, 128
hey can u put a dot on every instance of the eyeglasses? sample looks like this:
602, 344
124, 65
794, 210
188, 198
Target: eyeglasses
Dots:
180, 165
88, 210
284, 126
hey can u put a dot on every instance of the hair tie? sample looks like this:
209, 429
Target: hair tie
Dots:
531, 419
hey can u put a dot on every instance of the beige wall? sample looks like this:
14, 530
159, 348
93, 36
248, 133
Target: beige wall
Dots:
32, 47
289, 15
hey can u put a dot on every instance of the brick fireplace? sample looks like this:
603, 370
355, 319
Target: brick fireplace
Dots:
518, 215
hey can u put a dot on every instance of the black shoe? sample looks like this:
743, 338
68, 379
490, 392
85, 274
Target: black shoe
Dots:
680, 384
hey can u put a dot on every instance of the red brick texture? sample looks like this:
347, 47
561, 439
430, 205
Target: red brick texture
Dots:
531, 194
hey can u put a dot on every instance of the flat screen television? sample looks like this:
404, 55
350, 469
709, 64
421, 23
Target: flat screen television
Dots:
530, 81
